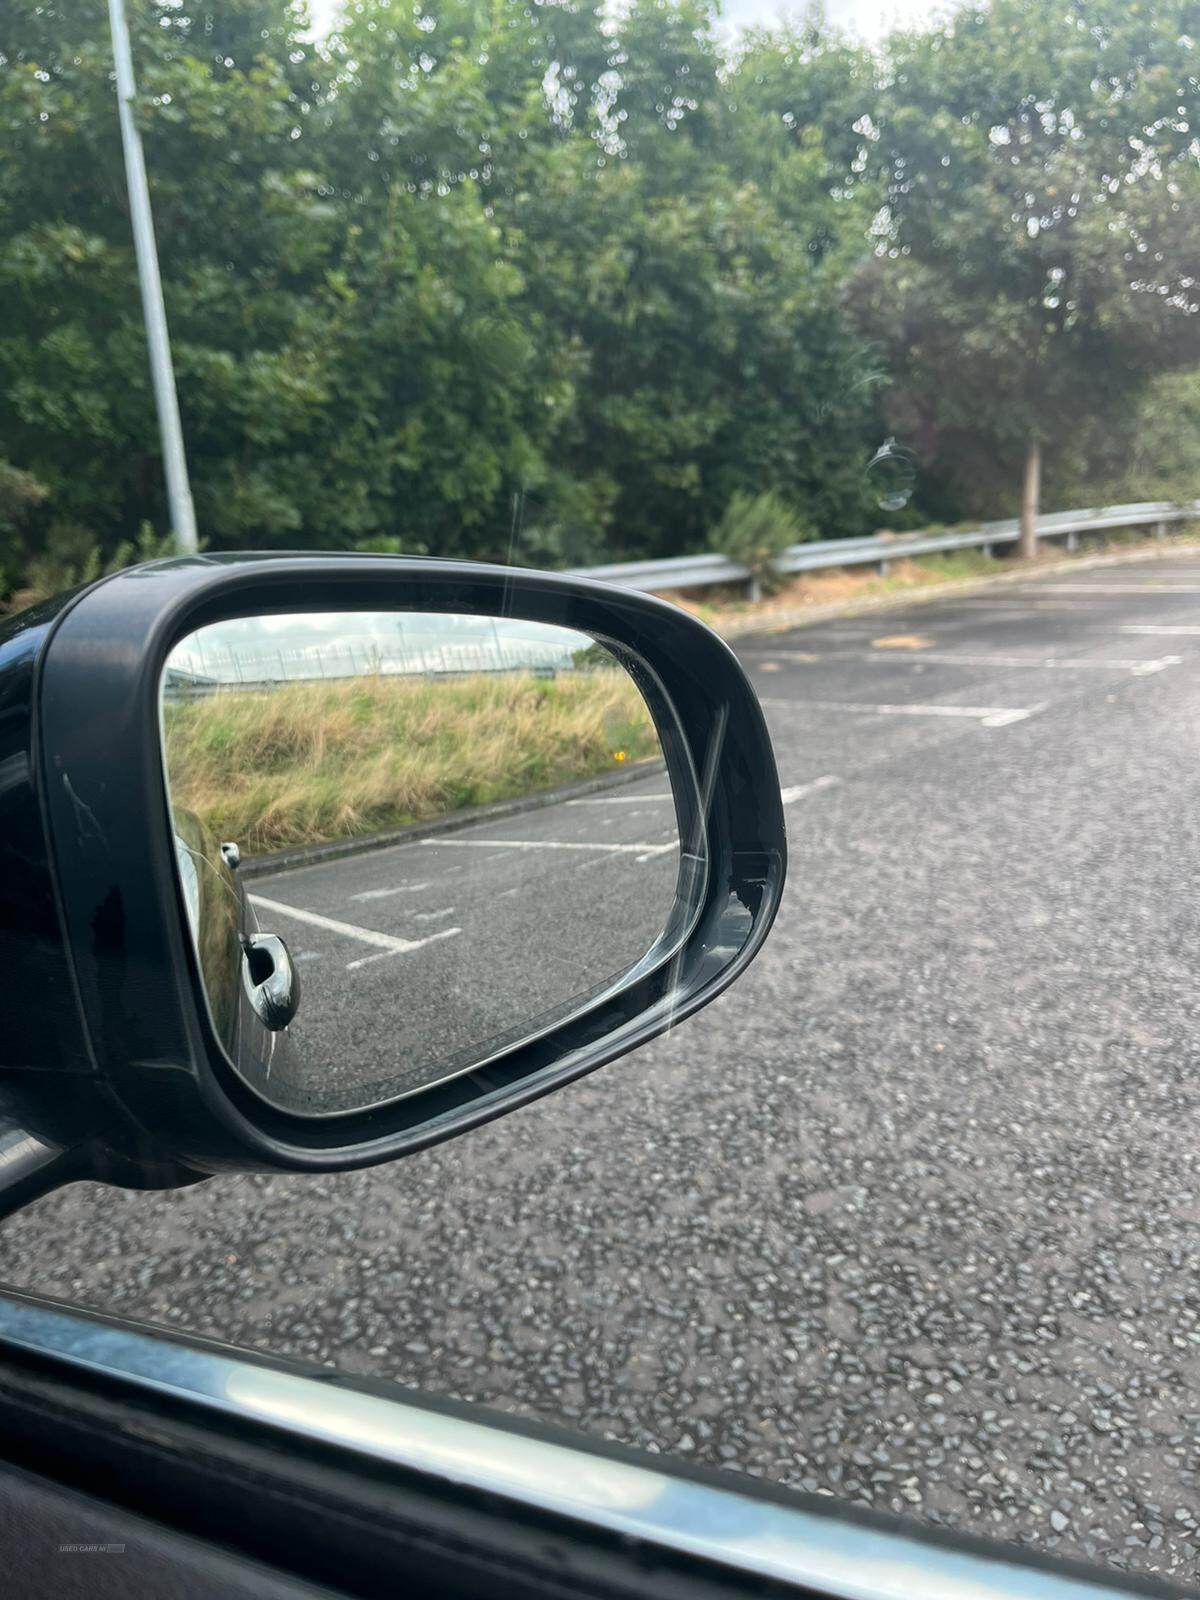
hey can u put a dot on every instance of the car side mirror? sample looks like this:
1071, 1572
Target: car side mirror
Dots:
310, 862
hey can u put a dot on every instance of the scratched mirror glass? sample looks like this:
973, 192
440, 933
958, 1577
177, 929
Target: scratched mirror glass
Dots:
408, 841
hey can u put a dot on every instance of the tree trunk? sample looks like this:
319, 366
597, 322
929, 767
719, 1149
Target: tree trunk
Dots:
1031, 494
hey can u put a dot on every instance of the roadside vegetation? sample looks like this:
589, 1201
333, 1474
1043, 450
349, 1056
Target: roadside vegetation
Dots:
566, 283
731, 613
314, 761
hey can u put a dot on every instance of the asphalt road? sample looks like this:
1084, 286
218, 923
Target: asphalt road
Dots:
912, 1215
429, 956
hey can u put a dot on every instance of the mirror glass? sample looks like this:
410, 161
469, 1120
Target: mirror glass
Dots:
408, 841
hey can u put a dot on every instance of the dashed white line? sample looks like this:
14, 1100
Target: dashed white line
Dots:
827, 780
987, 716
1169, 628
349, 930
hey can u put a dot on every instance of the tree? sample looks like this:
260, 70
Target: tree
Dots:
1038, 251
351, 366
682, 254
239, 227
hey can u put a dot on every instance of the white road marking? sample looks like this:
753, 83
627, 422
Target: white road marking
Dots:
1160, 627
1120, 588
987, 716
382, 894
1024, 605
617, 799
387, 942
1140, 666
643, 850
827, 780
432, 916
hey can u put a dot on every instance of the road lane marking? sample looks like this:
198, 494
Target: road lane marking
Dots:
1168, 628
432, 916
1140, 666
1023, 605
1120, 588
642, 850
382, 894
618, 799
827, 780
987, 716
349, 930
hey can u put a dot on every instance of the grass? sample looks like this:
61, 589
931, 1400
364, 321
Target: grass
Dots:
317, 761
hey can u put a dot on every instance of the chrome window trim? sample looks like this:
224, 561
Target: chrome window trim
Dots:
840, 1558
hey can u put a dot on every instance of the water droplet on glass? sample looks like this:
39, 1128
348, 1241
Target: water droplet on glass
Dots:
892, 474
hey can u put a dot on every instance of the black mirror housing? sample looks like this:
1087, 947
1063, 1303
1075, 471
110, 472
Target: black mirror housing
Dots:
109, 1064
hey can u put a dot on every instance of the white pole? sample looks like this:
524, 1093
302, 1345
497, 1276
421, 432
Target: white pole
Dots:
179, 494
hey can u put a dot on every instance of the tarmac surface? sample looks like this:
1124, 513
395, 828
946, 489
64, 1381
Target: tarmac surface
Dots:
911, 1215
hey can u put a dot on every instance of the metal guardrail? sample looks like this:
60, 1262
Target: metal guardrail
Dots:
702, 572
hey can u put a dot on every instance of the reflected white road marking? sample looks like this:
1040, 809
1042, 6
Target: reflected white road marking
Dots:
827, 780
386, 942
1160, 627
987, 716
382, 894
643, 850
617, 799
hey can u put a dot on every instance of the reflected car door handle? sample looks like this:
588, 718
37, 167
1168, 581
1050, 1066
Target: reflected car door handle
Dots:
271, 979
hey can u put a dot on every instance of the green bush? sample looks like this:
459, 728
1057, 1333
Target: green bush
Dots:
754, 529
73, 558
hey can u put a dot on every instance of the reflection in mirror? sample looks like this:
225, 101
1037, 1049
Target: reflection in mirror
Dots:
408, 841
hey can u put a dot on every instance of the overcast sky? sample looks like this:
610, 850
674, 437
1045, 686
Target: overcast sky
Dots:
869, 19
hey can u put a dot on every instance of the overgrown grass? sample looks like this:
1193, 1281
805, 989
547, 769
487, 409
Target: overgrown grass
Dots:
318, 761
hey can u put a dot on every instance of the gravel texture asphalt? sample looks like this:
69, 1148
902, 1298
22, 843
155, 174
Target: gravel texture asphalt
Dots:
911, 1216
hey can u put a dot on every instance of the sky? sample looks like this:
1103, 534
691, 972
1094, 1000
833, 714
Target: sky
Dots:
337, 643
867, 19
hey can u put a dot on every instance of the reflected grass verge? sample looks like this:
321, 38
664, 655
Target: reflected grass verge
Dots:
312, 762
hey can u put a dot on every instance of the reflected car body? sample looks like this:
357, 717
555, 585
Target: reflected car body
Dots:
222, 921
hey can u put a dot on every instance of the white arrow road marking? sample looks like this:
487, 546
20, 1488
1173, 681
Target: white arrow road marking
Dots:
987, 716
798, 791
387, 942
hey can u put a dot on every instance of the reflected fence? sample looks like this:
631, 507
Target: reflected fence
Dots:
211, 671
